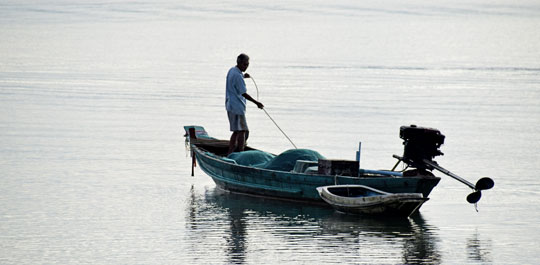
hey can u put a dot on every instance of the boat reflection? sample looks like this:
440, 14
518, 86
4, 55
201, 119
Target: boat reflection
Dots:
321, 226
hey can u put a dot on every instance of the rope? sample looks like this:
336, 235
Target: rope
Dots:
286, 136
280, 129
256, 87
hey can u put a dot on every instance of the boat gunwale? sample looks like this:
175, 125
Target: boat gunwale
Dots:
202, 151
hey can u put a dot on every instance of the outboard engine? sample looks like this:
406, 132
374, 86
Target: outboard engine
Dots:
421, 146
420, 143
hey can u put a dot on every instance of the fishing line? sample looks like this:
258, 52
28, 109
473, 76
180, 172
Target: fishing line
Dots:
256, 87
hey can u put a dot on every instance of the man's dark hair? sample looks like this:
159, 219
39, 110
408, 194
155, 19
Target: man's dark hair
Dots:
242, 57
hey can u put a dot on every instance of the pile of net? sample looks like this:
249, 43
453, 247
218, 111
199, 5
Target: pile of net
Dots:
253, 158
283, 162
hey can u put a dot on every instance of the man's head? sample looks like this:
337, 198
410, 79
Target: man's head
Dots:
242, 62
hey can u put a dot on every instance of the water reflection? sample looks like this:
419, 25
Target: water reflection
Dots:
246, 225
421, 246
236, 243
479, 250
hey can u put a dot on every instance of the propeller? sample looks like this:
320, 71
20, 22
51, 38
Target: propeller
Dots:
481, 184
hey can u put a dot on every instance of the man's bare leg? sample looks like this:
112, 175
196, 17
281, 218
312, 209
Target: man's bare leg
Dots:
232, 142
241, 140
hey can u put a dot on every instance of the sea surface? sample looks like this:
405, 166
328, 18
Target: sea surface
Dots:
94, 94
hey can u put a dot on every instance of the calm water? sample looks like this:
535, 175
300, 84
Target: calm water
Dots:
93, 96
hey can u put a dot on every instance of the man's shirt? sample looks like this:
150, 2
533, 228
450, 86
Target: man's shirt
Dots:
234, 101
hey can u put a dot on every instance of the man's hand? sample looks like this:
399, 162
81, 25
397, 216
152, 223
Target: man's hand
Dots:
246, 75
248, 97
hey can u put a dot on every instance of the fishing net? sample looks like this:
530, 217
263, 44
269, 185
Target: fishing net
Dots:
253, 158
286, 160
283, 162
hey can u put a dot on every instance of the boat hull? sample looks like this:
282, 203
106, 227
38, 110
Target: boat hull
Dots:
298, 186
376, 203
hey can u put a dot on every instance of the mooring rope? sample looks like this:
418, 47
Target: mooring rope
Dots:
256, 87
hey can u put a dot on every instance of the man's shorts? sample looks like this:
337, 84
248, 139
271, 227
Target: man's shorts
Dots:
237, 122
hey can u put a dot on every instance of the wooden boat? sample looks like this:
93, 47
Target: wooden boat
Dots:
210, 154
360, 199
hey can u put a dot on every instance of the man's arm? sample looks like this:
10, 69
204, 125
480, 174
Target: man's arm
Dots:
248, 97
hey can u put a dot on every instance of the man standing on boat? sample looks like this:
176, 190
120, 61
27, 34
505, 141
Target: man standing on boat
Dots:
235, 103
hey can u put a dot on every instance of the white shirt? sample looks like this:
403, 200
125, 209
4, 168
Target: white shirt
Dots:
234, 101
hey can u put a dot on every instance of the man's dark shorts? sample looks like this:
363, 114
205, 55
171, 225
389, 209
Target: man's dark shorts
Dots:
237, 122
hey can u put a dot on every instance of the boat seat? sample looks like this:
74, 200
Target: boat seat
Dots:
303, 165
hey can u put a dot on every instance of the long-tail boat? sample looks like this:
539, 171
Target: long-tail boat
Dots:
301, 176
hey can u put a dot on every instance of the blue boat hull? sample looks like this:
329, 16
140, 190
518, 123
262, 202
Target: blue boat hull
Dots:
297, 186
